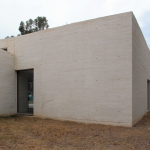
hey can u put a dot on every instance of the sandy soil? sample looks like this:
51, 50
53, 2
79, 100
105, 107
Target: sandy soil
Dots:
20, 133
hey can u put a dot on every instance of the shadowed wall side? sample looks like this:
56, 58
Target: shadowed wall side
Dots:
8, 104
140, 72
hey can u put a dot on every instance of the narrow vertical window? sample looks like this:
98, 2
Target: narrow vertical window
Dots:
5, 49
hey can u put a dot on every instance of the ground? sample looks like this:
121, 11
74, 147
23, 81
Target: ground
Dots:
22, 133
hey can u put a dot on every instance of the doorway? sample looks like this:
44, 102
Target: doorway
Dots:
25, 92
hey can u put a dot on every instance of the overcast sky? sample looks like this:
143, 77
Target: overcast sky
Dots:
60, 12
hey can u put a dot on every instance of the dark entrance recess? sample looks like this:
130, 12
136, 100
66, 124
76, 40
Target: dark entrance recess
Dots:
25, 86
5, 49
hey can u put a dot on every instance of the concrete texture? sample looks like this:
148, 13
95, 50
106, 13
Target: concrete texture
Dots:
87, 71
140, 72
7, 84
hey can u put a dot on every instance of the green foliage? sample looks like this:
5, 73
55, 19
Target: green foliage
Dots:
8, 37
22, 27
40, 23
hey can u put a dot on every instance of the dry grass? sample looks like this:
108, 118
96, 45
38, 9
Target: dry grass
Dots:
35, 133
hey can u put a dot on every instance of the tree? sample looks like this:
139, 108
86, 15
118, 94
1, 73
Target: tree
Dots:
22, 28
40, 23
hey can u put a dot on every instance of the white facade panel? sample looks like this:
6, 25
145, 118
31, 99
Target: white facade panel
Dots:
83, 71
92, 71
8, 94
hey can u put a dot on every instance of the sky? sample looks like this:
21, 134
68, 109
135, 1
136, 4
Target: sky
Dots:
61, 12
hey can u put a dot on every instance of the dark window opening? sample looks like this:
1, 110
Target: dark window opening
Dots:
5, 49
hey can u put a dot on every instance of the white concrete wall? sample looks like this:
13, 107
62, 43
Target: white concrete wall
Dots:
8, 43
8, 103
92, 71
141, 72
82, 71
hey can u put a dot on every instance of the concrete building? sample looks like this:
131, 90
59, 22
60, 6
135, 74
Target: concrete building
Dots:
95, 71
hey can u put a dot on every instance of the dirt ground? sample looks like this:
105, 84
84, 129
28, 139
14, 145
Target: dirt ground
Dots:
22, 133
